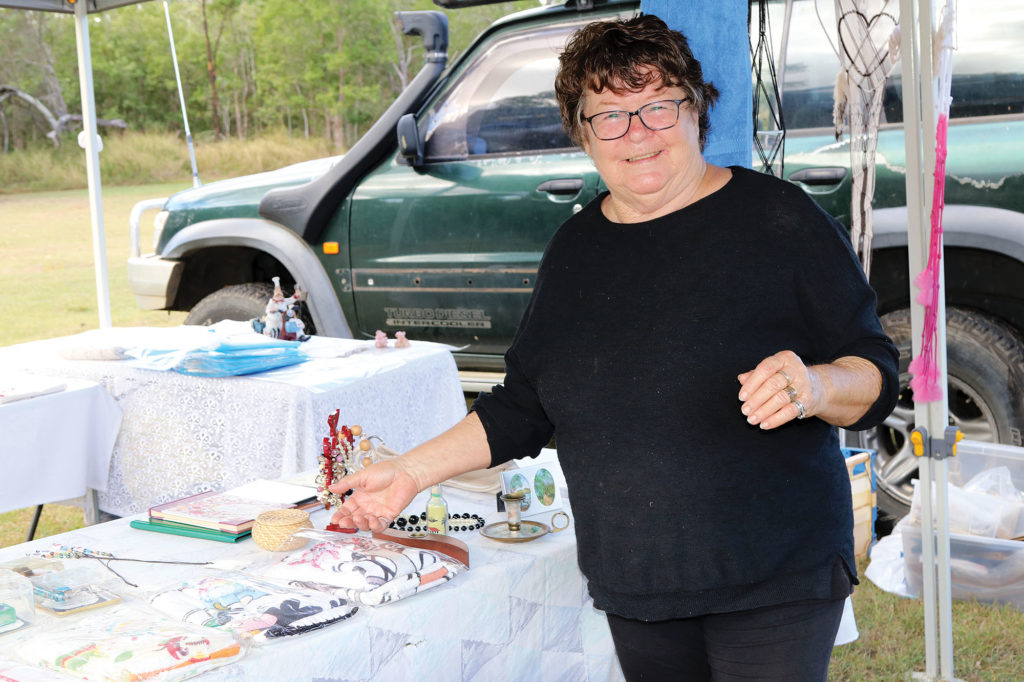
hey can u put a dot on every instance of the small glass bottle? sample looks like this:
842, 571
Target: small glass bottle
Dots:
437, 512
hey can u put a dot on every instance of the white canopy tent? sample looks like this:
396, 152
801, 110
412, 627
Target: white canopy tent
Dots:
81, 9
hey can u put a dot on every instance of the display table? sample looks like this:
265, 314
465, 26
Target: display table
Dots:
56, 446
520, 613
184, 434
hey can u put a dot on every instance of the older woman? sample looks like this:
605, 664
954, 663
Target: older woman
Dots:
694, 336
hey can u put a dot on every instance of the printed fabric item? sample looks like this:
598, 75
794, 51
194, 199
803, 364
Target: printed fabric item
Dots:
364, 569
123, 643
11, 671
255, 609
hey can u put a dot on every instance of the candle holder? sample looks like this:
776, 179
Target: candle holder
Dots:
514, 528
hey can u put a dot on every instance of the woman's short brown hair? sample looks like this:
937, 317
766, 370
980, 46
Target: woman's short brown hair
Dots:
625, 56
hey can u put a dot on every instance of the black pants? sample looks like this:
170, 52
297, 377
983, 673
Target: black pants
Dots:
791, 642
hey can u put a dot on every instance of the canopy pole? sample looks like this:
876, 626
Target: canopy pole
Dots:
92, 162
917, 29
181, 98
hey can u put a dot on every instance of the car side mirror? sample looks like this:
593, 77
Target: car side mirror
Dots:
409, 143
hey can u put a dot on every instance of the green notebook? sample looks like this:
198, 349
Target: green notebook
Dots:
190, 531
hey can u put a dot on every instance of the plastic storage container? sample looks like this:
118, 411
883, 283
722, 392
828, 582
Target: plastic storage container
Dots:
17, 606
989, 569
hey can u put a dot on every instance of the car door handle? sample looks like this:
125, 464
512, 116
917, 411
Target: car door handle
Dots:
831, 175
561, 186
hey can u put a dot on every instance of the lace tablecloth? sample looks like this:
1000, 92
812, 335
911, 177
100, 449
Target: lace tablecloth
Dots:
521, 612
184, 434
56, 446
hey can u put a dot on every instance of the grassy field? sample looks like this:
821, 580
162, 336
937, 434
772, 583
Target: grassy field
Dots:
46, 252
47, 263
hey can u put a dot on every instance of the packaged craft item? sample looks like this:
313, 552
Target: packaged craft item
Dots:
30, 566
73, 590
124, 643
365, 570
22, 672
16, 605
252, 608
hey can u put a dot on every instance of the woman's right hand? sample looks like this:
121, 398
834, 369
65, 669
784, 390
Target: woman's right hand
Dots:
379, 494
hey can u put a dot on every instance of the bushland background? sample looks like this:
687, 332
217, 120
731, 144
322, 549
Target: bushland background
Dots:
268, 83
317, 69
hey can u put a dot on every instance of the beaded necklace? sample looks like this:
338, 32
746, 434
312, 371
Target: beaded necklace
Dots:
456, 522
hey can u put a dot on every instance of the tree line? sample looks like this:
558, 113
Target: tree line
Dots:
315, 68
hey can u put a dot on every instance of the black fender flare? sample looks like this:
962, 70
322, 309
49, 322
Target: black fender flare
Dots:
283, 244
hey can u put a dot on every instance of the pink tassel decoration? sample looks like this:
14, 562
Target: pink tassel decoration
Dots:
925, 367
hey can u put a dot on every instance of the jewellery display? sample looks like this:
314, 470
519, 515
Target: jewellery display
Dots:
341, 457
456, 522
104, 558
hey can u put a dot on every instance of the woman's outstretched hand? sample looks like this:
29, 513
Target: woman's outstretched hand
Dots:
379, 494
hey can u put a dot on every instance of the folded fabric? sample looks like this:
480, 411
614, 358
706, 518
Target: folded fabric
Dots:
252, 608
217, 351
124, 643
364, 569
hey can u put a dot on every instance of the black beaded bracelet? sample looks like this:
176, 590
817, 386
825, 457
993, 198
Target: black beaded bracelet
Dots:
456, 522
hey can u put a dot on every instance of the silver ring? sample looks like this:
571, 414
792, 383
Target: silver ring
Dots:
791, 392
384, 520
800, 406
784, 376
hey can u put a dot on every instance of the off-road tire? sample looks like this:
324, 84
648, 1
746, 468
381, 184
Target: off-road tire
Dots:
985, 398
236, 302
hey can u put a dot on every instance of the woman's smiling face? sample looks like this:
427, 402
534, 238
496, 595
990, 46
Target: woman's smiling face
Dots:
645, 170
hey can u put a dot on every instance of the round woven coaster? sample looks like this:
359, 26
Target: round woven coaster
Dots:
273, 530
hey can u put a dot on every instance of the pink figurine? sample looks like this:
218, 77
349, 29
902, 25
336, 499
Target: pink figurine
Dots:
380, 339
401, 341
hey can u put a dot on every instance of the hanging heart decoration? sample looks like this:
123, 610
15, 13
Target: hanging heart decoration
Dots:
865, 42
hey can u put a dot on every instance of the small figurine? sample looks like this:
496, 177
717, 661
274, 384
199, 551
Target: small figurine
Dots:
401, 341
282, 318
380, 339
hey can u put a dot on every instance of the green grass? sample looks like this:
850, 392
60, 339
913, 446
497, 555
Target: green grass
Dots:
131, 159
988, 640
47, 246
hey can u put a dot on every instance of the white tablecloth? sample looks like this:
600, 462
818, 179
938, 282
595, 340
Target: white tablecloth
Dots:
183, 434
521, 612
55, 446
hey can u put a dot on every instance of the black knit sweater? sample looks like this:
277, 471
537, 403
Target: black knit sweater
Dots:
629, 351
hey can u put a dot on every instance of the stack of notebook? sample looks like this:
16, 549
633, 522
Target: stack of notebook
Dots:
226, 516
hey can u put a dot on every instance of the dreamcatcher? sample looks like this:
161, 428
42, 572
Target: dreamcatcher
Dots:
924, 367
868, 48
769, 129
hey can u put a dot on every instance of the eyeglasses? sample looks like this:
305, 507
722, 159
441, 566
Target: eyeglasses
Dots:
611, 125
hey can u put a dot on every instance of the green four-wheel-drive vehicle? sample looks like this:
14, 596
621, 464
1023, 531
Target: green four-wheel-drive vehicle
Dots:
435, 221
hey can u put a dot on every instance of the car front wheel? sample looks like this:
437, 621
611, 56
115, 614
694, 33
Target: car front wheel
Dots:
236, 302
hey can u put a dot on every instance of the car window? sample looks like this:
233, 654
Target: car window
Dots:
988, 64
503, 102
